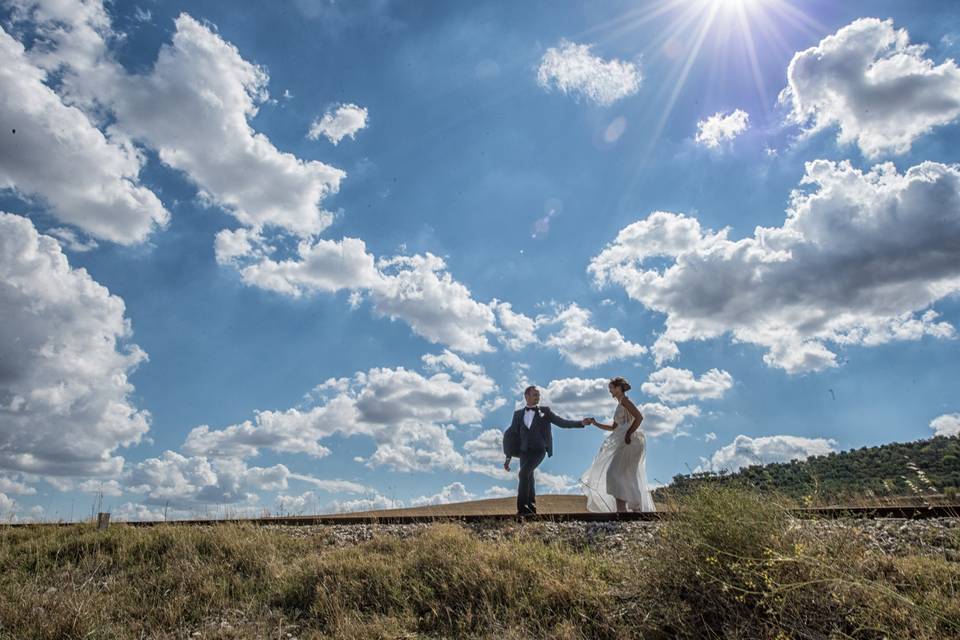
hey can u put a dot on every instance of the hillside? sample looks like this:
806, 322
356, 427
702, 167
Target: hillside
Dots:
921, 468
492, 506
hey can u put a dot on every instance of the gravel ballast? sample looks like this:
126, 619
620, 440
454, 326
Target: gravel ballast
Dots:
935, 536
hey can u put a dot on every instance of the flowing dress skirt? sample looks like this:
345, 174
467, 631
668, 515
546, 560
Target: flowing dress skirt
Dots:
619, 471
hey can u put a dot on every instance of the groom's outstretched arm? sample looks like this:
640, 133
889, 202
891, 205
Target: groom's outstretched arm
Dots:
563, 423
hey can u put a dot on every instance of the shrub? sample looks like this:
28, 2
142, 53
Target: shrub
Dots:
733, 564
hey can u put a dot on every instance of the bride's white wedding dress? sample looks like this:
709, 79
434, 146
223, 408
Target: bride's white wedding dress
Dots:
619, 470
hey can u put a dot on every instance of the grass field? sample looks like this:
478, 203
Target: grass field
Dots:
732, 565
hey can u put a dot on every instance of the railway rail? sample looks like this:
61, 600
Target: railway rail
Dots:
914, 512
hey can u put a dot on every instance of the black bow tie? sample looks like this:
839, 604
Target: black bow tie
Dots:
532, 409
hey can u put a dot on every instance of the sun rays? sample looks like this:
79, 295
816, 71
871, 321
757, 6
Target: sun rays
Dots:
732, 37
731, 28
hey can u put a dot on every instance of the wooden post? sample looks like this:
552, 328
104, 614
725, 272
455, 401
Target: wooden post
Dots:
103, 521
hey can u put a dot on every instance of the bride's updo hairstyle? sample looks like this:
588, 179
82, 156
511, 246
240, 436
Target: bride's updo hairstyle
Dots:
621, 382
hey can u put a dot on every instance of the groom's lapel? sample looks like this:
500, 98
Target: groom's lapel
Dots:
540, 416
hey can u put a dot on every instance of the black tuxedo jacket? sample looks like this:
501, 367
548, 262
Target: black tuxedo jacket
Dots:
519, 438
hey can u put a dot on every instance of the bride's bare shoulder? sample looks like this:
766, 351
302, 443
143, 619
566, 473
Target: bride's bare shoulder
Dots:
627, 404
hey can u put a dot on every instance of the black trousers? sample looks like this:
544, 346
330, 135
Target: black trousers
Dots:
526, 492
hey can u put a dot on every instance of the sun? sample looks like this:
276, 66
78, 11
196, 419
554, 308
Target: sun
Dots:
732, 33
724, 28
734, 5
744, 17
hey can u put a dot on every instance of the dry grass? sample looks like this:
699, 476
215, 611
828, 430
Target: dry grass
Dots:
734, 565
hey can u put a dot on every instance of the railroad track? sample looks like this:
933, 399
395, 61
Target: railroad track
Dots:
906, 512
900, 512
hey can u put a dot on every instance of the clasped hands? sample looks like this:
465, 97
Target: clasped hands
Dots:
593, 421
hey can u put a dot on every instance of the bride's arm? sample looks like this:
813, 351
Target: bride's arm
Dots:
605, 427
634, 413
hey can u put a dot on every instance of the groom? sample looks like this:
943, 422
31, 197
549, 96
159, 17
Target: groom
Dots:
531, 438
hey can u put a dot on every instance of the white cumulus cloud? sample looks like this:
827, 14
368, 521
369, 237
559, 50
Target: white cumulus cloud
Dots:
584, 345
65, 361
946, 425
572, 68
876, 87
11, 485
659, 419
745, 451
331, 485
137, 512
52, 149
499, 492
408, 416
487, 447
71, 241
375, 502
518, 330
579, 397
193, 106
720, 127
307, 501
679, 385
859, 260
421, 292
320, 265
556, 483
7, 506
415, 289
337, 124
454, 492
196, 482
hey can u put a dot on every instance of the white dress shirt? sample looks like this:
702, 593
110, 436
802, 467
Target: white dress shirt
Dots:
528, 416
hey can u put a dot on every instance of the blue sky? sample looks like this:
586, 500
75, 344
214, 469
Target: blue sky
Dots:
304, 256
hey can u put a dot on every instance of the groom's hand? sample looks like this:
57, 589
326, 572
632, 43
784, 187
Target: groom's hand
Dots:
506, 464
585, 421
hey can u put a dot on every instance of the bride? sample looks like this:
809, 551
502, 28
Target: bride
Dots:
617, 478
